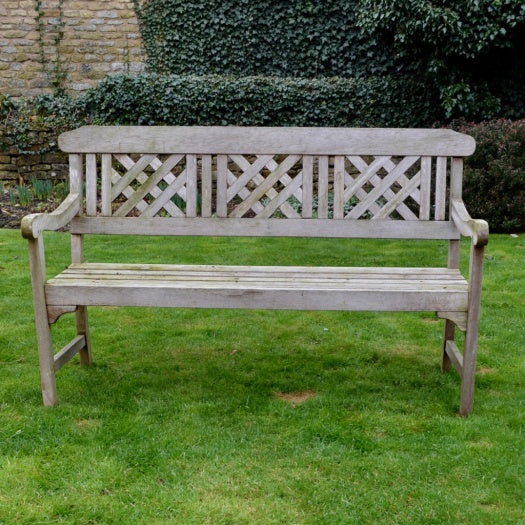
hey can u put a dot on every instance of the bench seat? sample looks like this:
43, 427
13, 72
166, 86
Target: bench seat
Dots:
264, 287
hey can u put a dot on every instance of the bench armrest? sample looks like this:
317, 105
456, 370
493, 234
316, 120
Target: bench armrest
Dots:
478, 229
33, 225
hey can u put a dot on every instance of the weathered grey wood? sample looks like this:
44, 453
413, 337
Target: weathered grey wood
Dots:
69, 351
151, 183
476, 228
448, 336
369, 173
455, 357
43, 330
81, 313
403, 180
273, 165
339, 187
164, 198
286, 208
308, 187
453, 253
471, 336
260, 141
106, 197
456, 179
284, 293
76, 178
133, 172
191, 185
281, 199
378, 191
247, 227
91, 185
54, 313
206, 185
424, 204
249, 172
155, 192
222, 185
397, 199
266, 185
458, 318
34, 224
441, 188
322, 188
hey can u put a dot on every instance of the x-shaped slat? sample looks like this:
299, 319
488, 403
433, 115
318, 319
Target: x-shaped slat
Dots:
251, 200
121, 184
382, 187
379, 190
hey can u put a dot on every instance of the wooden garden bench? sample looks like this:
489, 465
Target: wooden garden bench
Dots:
290, 182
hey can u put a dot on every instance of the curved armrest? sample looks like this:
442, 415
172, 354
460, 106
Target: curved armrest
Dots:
478, 229
33, 225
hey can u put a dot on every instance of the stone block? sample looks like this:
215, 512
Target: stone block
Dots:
107, 14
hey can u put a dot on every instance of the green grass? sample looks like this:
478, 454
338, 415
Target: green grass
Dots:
179, 420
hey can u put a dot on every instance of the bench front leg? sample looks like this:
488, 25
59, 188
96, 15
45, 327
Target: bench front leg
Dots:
471, 336
43, 328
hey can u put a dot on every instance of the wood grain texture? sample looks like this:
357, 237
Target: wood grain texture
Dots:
265, 140
68, 352
247, 227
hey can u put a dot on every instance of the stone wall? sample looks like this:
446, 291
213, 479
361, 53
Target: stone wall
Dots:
40, 162
99, 38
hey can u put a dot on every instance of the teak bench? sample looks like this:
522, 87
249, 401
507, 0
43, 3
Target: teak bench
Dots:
289, 182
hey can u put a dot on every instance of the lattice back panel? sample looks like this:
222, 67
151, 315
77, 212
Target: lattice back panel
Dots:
278, 186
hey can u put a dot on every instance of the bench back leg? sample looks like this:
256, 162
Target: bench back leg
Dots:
82, 325
471, 336
81, 314
448, 335
43, 329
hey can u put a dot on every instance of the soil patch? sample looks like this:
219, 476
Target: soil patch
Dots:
295, 398
11, 214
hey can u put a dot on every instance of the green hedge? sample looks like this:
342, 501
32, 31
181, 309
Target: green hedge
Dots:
223, 100
494, 180
300, 38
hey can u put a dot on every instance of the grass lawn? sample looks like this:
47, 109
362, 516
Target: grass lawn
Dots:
257, 417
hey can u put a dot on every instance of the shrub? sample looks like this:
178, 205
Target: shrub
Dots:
494, 183
149, 99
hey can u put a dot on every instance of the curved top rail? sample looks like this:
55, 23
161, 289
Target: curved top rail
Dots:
266, 140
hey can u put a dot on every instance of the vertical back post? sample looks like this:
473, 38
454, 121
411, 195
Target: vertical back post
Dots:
106, 185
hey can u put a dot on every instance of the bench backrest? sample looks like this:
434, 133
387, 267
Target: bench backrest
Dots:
267, 181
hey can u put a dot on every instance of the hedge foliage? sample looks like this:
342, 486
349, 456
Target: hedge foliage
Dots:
299, 38
224, 100
471, 54
494, 182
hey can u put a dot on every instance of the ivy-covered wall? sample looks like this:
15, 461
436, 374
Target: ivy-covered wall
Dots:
471, 53
298, 38
47, 45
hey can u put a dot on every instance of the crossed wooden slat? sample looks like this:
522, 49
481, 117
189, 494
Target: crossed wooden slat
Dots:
264, 186
382, 187
149, 185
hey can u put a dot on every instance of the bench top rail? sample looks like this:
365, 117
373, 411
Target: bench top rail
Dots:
214, 140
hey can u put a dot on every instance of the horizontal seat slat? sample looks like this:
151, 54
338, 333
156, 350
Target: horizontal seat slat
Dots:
271, 282
301, 288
